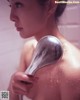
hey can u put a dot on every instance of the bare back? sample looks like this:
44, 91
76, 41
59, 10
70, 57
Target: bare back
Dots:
60, 81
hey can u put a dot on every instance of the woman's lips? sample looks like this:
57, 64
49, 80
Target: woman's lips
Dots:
19, 28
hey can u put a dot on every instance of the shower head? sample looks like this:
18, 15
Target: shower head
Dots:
48, 51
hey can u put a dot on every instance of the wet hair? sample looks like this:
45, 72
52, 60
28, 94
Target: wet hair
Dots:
60, 7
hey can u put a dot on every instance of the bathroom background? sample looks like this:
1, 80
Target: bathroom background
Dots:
11, 43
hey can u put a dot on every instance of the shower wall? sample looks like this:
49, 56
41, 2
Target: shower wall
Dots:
11, 43
70, 23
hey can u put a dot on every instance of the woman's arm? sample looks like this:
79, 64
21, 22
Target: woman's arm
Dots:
25, 59
13, 96
21, 68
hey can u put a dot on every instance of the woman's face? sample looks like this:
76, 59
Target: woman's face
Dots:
29, 17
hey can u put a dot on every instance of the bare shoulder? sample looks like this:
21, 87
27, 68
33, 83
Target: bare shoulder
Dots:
70, 74
71, 61
26, 54
29, 44
28, 48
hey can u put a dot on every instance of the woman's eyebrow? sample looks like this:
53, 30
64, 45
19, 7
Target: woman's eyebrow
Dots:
8, 0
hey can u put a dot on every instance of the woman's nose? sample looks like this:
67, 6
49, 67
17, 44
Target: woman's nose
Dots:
13, 15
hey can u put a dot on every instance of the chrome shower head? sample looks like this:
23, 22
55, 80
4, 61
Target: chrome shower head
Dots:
48, 51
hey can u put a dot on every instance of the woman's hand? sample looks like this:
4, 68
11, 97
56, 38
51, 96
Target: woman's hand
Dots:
21, 83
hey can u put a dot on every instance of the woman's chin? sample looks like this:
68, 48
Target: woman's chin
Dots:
24, 35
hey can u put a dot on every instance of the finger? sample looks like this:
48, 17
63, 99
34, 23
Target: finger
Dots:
20, 76
21, 86
19, 91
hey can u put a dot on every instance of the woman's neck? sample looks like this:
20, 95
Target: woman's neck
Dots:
50, 29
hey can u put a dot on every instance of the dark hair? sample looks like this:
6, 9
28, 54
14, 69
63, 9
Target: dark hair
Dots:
60, 7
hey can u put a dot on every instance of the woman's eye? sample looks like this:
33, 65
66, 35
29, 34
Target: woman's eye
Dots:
18, 5
9, 5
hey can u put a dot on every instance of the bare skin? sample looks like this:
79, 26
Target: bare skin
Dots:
59, 81
55, 82
62, 80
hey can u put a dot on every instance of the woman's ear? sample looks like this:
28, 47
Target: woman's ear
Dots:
52, 7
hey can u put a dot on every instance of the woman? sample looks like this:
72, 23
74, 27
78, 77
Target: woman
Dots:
60, 81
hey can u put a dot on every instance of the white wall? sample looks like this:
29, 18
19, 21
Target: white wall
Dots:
70, 23
11, 43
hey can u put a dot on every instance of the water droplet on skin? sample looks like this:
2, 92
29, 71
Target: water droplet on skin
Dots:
57, 81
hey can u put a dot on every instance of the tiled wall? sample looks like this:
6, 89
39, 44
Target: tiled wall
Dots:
70, 23
11, 43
